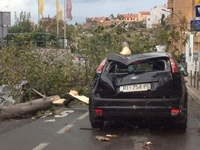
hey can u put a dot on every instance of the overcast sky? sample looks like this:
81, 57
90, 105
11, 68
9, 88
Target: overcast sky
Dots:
80, 8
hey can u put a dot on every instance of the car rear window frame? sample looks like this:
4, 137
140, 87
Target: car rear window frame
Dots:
111, 62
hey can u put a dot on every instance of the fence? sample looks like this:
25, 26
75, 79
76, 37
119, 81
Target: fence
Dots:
194, 74
40, 39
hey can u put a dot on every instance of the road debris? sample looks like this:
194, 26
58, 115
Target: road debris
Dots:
97, 129
110, 135
102, 138
146, 146
57, 100
5, 95
125, 49
68, 127
148, 143
81, 98
47, 114
33, 118
69, 111
51, 120
199, 131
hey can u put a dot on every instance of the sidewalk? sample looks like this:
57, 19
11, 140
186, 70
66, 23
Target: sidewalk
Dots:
194, 93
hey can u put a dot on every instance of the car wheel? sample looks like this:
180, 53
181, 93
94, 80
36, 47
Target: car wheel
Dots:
96, 123
181, 126
181, 123
185, 105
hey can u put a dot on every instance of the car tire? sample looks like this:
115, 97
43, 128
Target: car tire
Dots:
96, 123
181, 126
182, 122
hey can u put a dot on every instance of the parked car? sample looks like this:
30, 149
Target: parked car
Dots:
143, 86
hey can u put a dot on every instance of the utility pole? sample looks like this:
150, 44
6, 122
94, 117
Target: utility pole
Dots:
65, 21
57, 27
38, 14
1, 14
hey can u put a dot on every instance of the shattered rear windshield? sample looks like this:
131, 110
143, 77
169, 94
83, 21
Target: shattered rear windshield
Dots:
138, 66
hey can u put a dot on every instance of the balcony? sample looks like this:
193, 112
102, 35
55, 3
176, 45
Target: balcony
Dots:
170, 4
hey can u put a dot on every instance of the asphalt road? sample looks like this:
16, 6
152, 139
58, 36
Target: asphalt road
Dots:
73, 132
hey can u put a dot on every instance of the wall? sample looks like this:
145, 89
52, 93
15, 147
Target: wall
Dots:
156, 14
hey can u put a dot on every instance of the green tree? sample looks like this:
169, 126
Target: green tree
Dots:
170, 34
22, 23
50, 71
55, 72
95, 44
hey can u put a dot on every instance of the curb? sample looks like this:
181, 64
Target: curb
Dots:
193, 94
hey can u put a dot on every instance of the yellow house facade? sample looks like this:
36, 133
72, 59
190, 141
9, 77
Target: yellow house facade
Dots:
187, 8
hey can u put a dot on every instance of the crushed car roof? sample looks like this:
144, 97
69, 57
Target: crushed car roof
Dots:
137, 57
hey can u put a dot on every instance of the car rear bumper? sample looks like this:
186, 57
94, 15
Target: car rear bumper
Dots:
137, 108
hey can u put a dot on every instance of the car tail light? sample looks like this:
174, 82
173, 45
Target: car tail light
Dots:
101, 66
99, 111
174, 65
175, 112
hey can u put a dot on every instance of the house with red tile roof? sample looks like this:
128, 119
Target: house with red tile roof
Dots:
130, 17
142, 15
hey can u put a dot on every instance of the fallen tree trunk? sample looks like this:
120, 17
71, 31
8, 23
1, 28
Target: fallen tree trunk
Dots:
19, 110
31, 107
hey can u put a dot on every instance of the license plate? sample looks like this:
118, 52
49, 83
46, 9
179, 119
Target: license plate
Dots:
135, 87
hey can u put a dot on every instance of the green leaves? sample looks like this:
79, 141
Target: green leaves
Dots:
48, 71
22, 23
55, 72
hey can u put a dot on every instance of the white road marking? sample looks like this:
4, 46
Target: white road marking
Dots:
63, 130
51, 120
83, 116
66, 128
64, 114
41, 146
61, 115
69, 111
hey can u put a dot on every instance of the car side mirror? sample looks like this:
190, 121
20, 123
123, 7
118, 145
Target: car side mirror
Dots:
184, 72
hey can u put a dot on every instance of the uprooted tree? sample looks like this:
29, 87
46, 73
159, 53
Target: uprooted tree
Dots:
53, 71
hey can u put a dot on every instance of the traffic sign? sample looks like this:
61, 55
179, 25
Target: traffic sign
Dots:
5, 18
3, 32
195, 25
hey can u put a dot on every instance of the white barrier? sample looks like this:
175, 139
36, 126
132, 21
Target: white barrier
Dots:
193, 67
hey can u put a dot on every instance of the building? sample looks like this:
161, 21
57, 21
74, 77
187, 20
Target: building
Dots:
130, 17
142, 15
95, 20
181, 8
187, 8
156, 14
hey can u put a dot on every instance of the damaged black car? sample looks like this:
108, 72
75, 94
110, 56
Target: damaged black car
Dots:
142, 86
